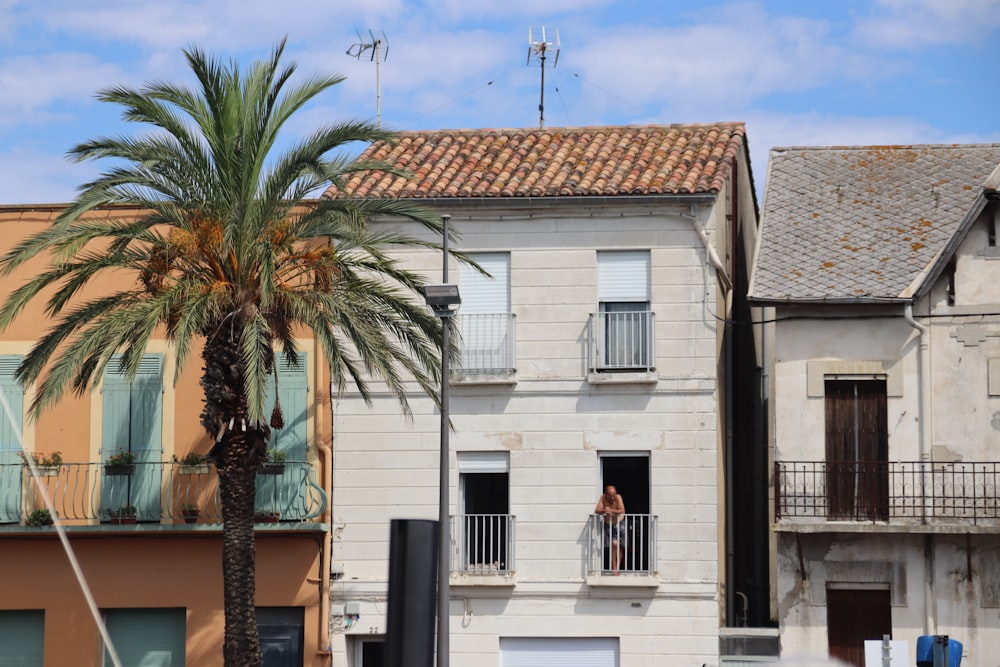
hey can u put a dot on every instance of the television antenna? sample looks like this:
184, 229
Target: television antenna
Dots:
539, 48
374, 47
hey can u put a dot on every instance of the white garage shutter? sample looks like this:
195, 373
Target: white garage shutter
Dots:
559, 652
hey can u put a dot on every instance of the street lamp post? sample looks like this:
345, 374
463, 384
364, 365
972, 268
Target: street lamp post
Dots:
441, 298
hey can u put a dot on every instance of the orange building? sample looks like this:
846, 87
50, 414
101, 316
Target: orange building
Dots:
148, 534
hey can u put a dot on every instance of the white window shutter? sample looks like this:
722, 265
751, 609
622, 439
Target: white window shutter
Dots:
623, 275
482, 294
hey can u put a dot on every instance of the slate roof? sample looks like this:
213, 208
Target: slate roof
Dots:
862, 223
555, 162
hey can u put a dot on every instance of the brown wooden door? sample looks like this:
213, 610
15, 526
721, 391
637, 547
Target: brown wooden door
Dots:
852, 616
857, 450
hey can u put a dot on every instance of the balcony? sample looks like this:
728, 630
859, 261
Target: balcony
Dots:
486, 344
156, 493
482, 548
903, 494
621, 342
636, 561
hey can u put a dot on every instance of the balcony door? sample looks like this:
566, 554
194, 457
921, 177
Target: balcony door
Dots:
857, 449
628, 472
624, 336
484, 526
282, 493
132, 418
484, 321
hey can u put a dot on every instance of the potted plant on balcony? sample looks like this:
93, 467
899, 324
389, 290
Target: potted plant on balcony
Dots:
190, 512
125, 515
266, 516
191, 463
275, 463
38, 518
46, 464
120, 463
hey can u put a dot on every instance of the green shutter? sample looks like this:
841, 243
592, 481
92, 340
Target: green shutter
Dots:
10, 440
133, 421
147, 637
22, 638
284, 493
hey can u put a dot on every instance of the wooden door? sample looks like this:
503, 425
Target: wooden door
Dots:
852, 616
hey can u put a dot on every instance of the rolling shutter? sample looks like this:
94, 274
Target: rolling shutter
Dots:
147, 637
623, 276
481, 294
559, 652
22, 638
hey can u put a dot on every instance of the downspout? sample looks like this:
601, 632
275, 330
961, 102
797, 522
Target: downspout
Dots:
323, 642
930, 611
727, 286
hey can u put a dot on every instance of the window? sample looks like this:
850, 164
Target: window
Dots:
10, 441
147, 637
484, 530
22, 638
623, 335
485, 323
282, 635
132, 417
857, 449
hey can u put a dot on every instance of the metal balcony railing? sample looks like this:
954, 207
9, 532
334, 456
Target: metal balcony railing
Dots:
486, 342
903, 491
482, 543
157, 492
621, 341
636, 537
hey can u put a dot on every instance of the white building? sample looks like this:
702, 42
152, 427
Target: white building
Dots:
597, 353
880, 269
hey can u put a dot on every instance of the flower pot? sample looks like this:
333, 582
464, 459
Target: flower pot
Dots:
196, 469
272, 469
191, 516
47, 471
266, 517
125, 520
119, 469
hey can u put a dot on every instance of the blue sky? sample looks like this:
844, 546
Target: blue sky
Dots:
837, 72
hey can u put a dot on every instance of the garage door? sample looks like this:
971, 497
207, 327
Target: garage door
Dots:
559, 652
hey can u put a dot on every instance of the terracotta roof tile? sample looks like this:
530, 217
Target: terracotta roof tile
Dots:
556, 162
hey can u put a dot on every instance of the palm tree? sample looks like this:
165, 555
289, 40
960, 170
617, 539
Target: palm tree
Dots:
229, 251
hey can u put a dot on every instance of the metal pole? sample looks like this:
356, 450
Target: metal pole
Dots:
444, 549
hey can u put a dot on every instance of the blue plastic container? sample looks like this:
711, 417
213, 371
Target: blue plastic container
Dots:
925, 651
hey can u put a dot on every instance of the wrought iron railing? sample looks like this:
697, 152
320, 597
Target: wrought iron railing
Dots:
486, 343
482, 543
632, 536
158, 492
621, 341
900, 490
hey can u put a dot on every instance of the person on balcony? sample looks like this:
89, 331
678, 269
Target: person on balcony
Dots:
612, 508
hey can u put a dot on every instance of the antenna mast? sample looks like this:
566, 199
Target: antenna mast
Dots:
538, 48
361, 47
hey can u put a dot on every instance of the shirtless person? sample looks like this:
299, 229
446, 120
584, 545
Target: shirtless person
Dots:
612, 507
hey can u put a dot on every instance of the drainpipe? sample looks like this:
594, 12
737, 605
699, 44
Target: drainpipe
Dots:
924, 370
323, 636
727, 287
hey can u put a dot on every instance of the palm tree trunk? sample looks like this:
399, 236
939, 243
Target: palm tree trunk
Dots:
237, 455
237, 487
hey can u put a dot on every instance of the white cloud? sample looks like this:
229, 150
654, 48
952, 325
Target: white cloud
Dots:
31, 82
29, 175
914, 24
